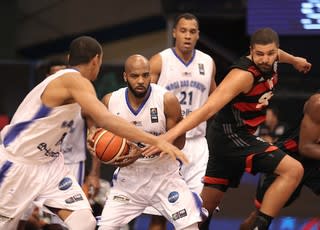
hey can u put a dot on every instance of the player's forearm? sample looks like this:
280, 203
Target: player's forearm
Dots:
285, 57
95, 167
191, 121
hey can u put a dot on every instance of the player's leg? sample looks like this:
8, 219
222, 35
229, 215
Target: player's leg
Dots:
19, 185
197, 152
158, 223
63, 196
78, 219
127, 198
265, 180
71, 207
119, 209
289, 172
177, 203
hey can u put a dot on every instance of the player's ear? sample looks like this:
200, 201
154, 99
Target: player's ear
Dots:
174, 33
124, 77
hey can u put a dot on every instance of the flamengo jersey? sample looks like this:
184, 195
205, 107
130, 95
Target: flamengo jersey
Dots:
149, 116
36, 131
190, 82
249, 109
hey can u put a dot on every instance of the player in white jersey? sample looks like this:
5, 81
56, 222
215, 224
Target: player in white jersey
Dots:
74, 146
31, 165
154, 181
190, 75
74, 152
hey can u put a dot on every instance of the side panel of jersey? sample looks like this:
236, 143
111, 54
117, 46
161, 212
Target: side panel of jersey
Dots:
36, 132
74, 145
189, 82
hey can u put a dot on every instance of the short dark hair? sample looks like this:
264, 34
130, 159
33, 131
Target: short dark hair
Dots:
54, 61
187, 16
264, 36
83, 49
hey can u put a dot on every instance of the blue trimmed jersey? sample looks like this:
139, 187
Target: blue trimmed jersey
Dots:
36, 132
190, 82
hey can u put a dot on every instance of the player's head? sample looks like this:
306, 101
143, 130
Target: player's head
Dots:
55, 64
86, 51
264, 48
137, 75
186, 32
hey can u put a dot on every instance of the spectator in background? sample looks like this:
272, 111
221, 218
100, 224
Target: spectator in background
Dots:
272, 128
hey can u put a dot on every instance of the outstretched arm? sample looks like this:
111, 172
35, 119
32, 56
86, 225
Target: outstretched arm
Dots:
234, 83
299, 63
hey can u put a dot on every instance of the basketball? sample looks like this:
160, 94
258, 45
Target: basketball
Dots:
108, 146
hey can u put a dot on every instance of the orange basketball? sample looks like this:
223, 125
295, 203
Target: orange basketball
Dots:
108, 146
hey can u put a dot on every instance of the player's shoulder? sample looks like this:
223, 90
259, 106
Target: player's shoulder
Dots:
203, 55
312, 107
314, 101
158, 88
67, 78
115, 96
166, 51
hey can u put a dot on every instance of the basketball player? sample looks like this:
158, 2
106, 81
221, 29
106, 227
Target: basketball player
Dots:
74, 144
302, 144
73, 149
190, 75
239, 104
31, 166
149, 181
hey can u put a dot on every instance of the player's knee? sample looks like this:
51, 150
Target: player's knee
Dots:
296, 172
293, 171
81, 220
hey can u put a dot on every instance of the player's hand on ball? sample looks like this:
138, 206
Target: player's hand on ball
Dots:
134, 154
90, 140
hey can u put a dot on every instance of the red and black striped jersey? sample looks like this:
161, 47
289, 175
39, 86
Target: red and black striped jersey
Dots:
249, 109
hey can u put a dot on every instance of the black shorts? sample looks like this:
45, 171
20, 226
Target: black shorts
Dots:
232, 152
311, 179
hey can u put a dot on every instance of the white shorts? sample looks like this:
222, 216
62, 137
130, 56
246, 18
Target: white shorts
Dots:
46, 184
195, 170
156, 185
77, 170
196, 150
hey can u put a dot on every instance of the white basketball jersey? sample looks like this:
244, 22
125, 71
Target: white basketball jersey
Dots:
36, 132
74, 145
149, 116
189, 82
